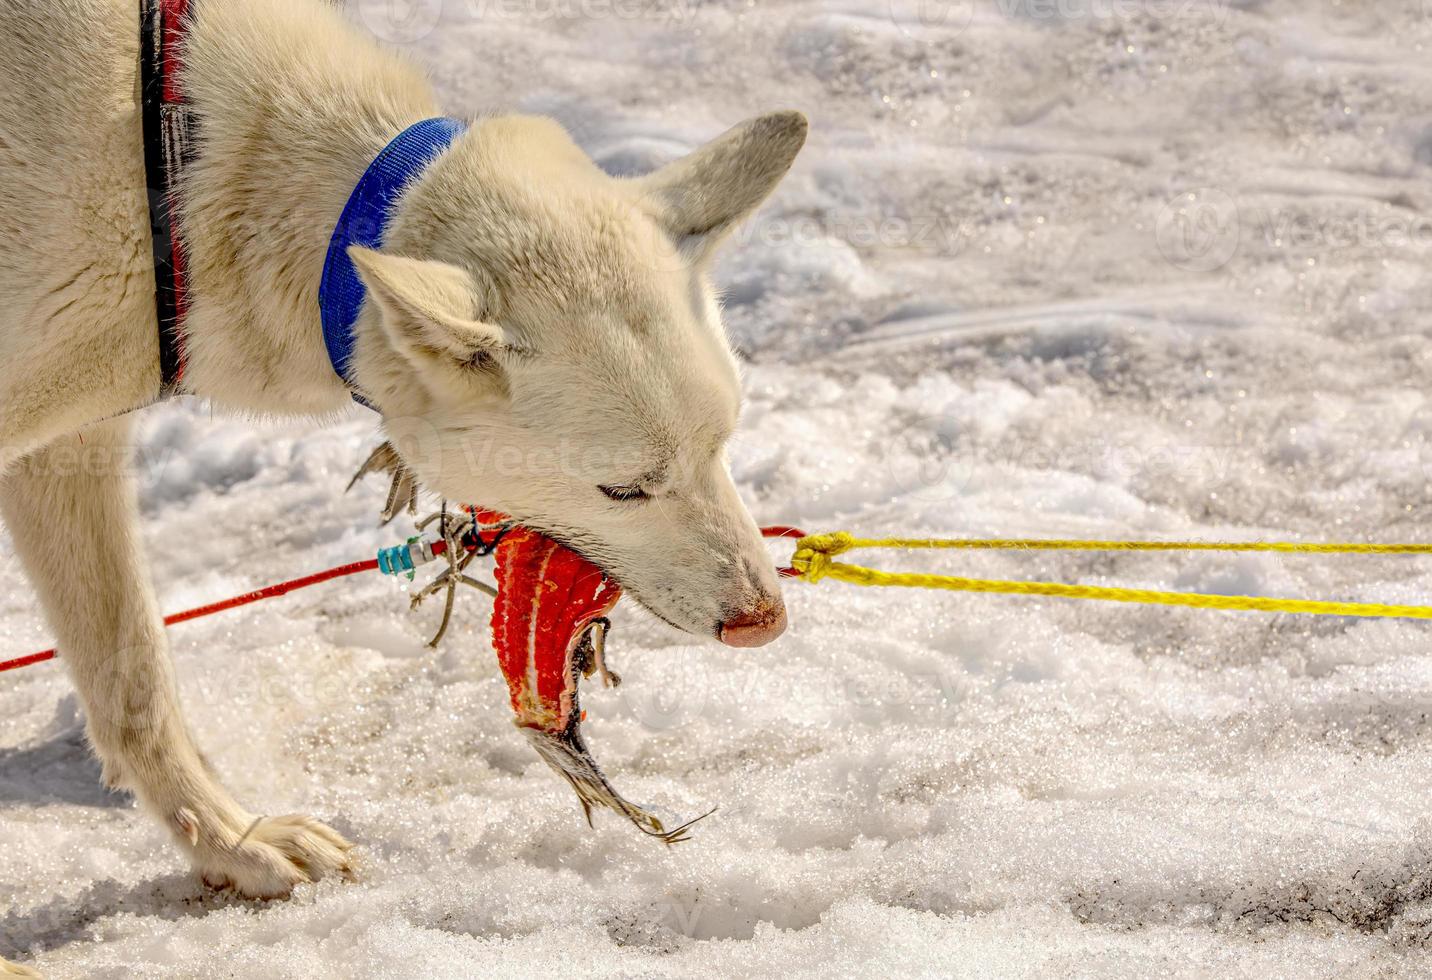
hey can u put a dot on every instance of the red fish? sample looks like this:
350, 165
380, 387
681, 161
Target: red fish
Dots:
548, 628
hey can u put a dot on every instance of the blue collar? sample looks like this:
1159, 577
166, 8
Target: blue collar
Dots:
365, 221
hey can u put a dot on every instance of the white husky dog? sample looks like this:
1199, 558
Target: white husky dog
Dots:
544, 342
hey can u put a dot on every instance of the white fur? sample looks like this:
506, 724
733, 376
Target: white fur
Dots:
538, 329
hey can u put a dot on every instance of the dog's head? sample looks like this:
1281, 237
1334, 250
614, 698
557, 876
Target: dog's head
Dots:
545, 341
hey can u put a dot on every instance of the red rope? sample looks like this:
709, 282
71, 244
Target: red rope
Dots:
34, 658
284, 588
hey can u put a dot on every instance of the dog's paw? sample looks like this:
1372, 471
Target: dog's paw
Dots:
10, 971
272, 855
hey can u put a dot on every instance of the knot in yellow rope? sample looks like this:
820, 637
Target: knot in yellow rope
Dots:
814, 553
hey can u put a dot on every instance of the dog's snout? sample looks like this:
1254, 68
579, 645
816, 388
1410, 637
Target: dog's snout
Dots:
757, 626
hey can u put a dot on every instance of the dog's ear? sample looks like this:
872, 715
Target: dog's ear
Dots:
430, 310
704, 195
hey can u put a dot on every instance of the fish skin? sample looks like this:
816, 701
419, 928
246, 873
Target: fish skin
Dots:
548, 598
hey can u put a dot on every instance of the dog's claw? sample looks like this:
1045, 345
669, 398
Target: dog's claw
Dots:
404, 488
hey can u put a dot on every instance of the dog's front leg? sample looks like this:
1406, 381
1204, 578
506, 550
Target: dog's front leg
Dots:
73, 519
14, 971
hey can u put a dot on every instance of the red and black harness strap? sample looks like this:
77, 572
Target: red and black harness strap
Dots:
168, 148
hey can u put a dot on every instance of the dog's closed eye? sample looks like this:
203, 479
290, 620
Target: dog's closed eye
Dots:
625, 494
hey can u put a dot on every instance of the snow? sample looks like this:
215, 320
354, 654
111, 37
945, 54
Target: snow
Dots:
1116, 268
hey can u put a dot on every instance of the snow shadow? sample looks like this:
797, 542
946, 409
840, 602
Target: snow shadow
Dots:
61, 769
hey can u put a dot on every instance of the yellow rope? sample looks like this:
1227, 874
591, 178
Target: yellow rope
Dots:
815, 554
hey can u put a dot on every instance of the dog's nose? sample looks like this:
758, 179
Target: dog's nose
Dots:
757, 626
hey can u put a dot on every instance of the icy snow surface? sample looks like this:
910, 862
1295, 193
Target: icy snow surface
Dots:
1143, 268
